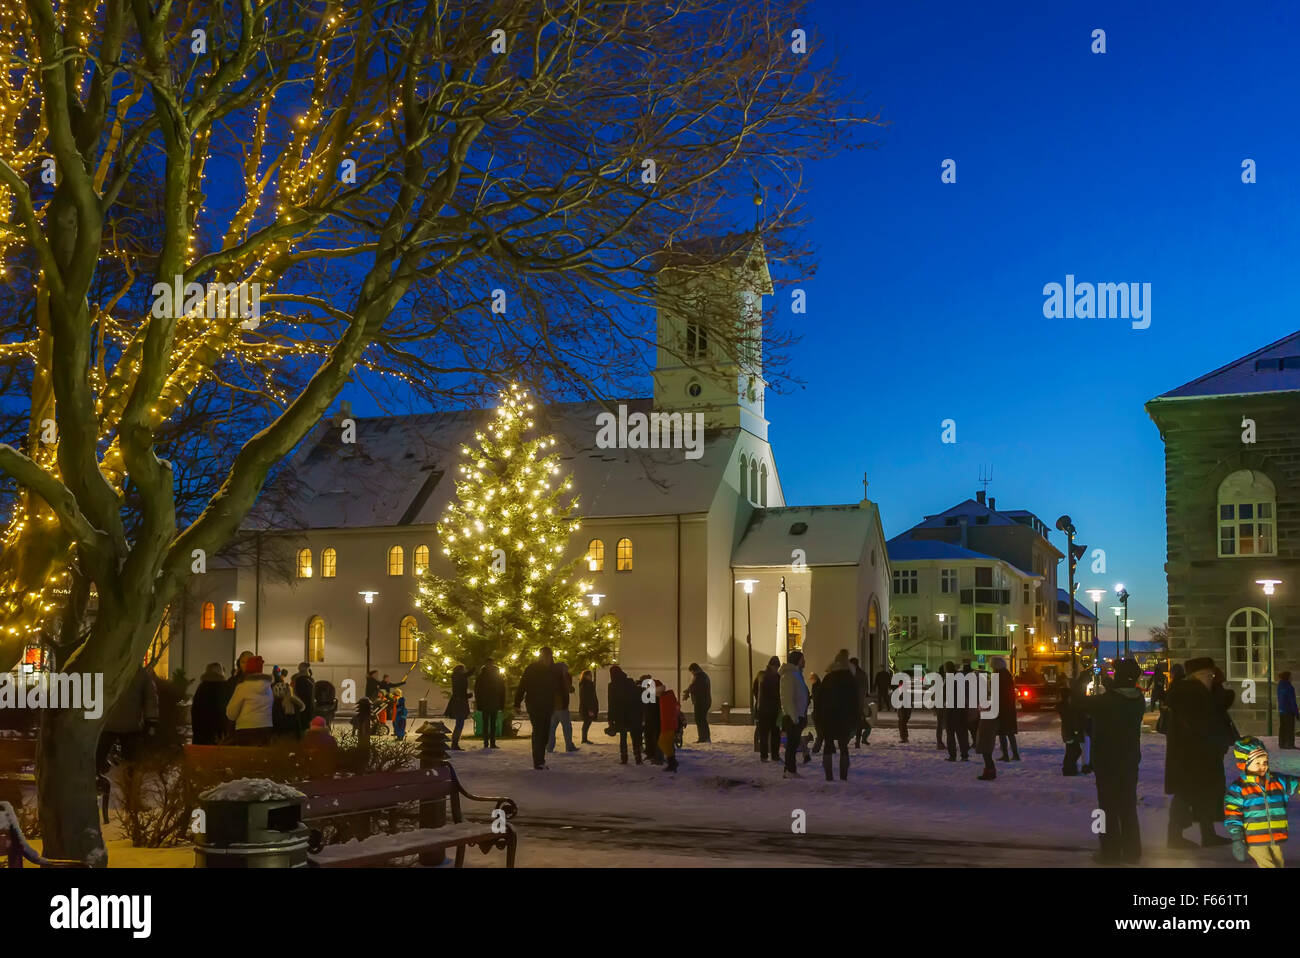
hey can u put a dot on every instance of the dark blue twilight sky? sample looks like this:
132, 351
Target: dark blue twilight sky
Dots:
1122, 167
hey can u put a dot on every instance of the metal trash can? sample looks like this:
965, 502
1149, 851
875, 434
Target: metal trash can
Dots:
252, 823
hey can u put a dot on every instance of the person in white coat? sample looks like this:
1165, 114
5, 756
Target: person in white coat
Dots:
251, 705
794, 709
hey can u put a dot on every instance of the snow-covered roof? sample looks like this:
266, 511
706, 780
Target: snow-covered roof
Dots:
402, 469
902, 549
1274, 368
1079, 608
830, 535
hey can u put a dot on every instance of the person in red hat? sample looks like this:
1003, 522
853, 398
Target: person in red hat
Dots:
251, 705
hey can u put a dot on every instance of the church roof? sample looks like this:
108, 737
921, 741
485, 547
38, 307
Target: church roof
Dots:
828, 535
401, 470
1274, 368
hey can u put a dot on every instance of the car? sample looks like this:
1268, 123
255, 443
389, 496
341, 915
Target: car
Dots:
1033, 696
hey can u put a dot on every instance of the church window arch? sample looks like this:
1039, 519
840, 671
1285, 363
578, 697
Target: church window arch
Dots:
596, 555
753, 481
744, 476
396, 560
304, 563
1247, 504
315, 639
762, 486
624, 555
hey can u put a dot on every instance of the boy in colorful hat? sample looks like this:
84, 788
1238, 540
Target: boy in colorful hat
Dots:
1254, 807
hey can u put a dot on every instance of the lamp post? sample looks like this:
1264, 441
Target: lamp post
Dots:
942, 617
235, 606
1118, 612
1072, 555
1095, 595
1121, 593
749, 638
1269, 586
370, 600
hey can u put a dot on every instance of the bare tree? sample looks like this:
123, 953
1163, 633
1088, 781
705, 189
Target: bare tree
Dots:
448, 194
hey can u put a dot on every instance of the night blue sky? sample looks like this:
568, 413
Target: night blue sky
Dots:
1122, 167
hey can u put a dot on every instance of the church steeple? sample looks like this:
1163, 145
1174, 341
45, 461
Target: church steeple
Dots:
710, 336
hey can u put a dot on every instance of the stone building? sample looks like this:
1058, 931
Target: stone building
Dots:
1232, 510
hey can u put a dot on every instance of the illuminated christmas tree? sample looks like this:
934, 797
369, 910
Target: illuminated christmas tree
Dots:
505, 534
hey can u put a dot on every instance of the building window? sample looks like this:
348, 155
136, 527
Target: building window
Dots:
793, 635
396, 560
406, 640
984, 623
421, 561
907, 628
329, 563
596, 555
947, 581
1247, 507
697, 341
904, 582
984, 577
1247, 645
744, 478
1024, 594
624, 555
316, 639
304, 563
762, 485
228, 617
753, 481
948, 627
209, 620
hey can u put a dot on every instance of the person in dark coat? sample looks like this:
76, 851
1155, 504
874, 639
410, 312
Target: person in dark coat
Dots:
208, 710
1007, 726
625, 713
863, 682
700, 694
560, 717
1286, 711
1116, 754
132, 720
305, 689
1157, 688
987, 728
490, 697
588, 704
814, 714
538, 688
649, 718
372, 685
769, 708
840, 713
1194, 756
1074, 720
882, 688
458, 703
954, 707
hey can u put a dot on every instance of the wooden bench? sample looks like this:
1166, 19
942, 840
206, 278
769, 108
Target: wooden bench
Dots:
15, 848
18, 770
372, 793
288, 763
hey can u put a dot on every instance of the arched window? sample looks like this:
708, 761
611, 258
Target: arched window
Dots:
315, 639
304, 563
793, 634
209, 621
596, 555
406, 640
228, 617
753, 481
1247, 645
1247, 507
396, 560
744, 477
329, 563
421, 562
762, 485
624, 555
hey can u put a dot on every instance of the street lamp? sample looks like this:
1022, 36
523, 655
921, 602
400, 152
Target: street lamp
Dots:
1121, 593
1073, 553
595, 597
1095, 595
1118, 610
749, 638
235, 606
1269, 586
370, 600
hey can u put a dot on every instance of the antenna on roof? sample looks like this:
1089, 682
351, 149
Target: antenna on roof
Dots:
985, 480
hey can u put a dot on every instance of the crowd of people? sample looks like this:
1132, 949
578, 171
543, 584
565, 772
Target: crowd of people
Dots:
253, 708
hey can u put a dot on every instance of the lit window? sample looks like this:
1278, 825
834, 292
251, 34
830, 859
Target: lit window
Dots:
396, 560
624, 555
1248, 645
421, 562
228, 617
406, 641
316, 639
329, 563
209, 616
793, 635
1247, 507
596, 555
304, 563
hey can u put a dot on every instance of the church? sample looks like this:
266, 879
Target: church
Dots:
695, 550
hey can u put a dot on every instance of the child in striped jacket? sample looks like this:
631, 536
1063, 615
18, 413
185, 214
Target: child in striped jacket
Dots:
1254, 807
